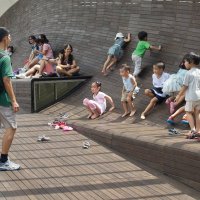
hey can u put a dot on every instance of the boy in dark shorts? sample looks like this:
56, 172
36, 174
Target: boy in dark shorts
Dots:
156, 94
8, 103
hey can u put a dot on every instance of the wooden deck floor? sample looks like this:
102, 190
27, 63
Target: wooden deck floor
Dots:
61, 169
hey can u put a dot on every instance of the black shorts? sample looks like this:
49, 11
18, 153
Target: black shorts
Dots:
160, 99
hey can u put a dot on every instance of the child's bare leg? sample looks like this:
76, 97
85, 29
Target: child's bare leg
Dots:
180, 100
149, 93
178, 112
96, 113
90, 113
106, 64
125, 107
169, 100
149, 107
32, 63
32, 71
131, 106
113, 61
86, 103
191, 121
197, 118
43, 63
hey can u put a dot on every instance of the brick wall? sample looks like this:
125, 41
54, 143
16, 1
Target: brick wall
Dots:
90, 26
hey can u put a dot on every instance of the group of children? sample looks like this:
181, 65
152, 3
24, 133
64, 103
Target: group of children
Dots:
179, 87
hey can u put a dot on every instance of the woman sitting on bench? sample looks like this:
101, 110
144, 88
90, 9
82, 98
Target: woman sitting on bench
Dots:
66, 64
44, 63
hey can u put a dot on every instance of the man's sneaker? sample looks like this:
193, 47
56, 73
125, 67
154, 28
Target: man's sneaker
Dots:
9, 166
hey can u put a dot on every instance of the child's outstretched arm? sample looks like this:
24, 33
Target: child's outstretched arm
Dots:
134, 82
110, 100
128, 39
181, 93
158, 48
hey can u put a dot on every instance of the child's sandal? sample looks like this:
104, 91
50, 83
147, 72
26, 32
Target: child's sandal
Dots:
191, 135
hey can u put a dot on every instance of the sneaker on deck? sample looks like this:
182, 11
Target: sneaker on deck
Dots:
170, 121
21, 76
9, 166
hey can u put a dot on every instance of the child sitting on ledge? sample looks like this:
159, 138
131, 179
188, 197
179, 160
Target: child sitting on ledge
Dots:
156, 94
97, 106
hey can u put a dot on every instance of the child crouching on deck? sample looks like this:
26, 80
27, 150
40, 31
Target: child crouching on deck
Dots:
156, 94
97, 106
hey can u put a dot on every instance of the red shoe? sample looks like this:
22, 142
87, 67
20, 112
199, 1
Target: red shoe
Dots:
172, 108
168, 101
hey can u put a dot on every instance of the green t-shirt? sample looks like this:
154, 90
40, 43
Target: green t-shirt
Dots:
5, 71
141, 48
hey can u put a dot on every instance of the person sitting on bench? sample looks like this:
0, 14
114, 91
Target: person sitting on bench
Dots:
66, 64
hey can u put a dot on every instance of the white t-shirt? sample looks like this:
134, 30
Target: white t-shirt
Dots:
100, 100
192, 80
159, 82
128, 85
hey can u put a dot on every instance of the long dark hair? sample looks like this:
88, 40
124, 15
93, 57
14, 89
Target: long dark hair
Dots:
32, 37
70, 58
43, 39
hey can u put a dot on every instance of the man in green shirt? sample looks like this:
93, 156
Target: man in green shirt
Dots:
8, 103
140, 50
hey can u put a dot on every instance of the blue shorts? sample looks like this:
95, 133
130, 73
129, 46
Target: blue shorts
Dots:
39, 56
160, 98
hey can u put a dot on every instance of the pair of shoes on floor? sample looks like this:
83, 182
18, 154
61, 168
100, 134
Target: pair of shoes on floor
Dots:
171, 121
63, 116
43, 139
86, 145
9, 166
173, 131
60, 125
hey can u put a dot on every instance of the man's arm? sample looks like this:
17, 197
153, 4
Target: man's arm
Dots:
9, 89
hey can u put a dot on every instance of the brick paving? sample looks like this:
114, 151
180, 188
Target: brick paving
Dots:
61, 169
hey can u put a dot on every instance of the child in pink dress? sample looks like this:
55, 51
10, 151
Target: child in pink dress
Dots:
97, 106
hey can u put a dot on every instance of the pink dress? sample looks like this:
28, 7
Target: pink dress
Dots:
48, 67
47, 47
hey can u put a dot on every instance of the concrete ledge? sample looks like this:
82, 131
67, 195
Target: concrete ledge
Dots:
164, 155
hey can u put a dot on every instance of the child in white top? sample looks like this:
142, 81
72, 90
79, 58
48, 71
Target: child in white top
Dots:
191, 89
128, 89
97, 106
156, 94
